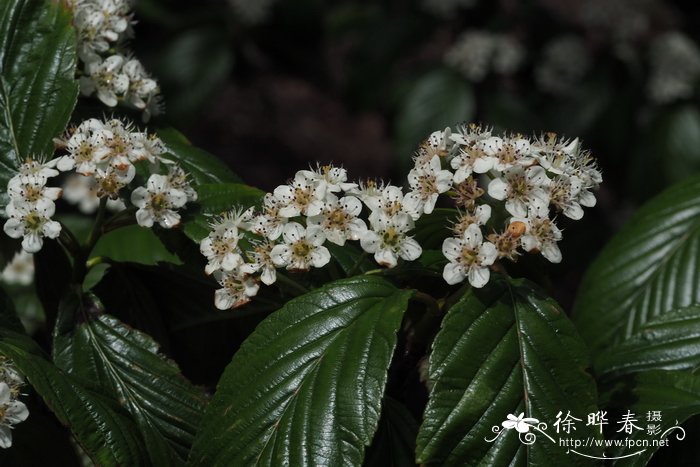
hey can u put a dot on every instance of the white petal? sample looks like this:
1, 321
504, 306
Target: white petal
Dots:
410, 250
529, 242
169, 219
385, 257
487, 254
473, 237
17, 412
51, 229
483, 164
478, 276
320, 256
453, 273
293, 232
5, 437
551, 251
32, 242
139, 197
280, 255
352, 205
586, 198
268, 276
498, 189
315, 236
144, 218
516, 207
370, 242
223, 300
482, 214
573, 211
14, 228
452, 248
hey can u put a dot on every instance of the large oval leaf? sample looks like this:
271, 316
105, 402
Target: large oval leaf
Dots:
124, 363
37, 79
503, 350
100, 427
649, 268
669, 342
306, 387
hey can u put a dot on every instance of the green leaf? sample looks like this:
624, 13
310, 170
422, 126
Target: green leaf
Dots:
215, 199
135, 244
669, 342
437, 100
202, 166
503, 349
306, 387
647, 269
124, 363
97, 423
37, 79
675, 394
395, 441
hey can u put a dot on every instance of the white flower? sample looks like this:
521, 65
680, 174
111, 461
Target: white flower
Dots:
105, 78
427, 182
261, 261
471, 159
541, 235
509, 152
388, 202
86, 146
221, 245
369, 192
177, 178
237, 289
110, 181
31, 189
99, 24
141, 87
39, 169
12, 412
521, 188
157, 202
388, 239
33, 222
269, 223
299, 198
339, 219
520, 423
564, 195
82, 190
20, 270
439, 143
329, 179
469, 257
302, 248
480, 215
148, 147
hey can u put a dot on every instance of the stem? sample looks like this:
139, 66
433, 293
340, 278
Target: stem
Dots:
357, 264
80, 258
292, 284
96, 230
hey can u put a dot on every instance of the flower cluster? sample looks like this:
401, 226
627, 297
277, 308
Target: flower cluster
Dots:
114, 77
32, 204
675, 67
531, 177
101, 158
20, 270
298, 219
527, 179
12, 410
477, 53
